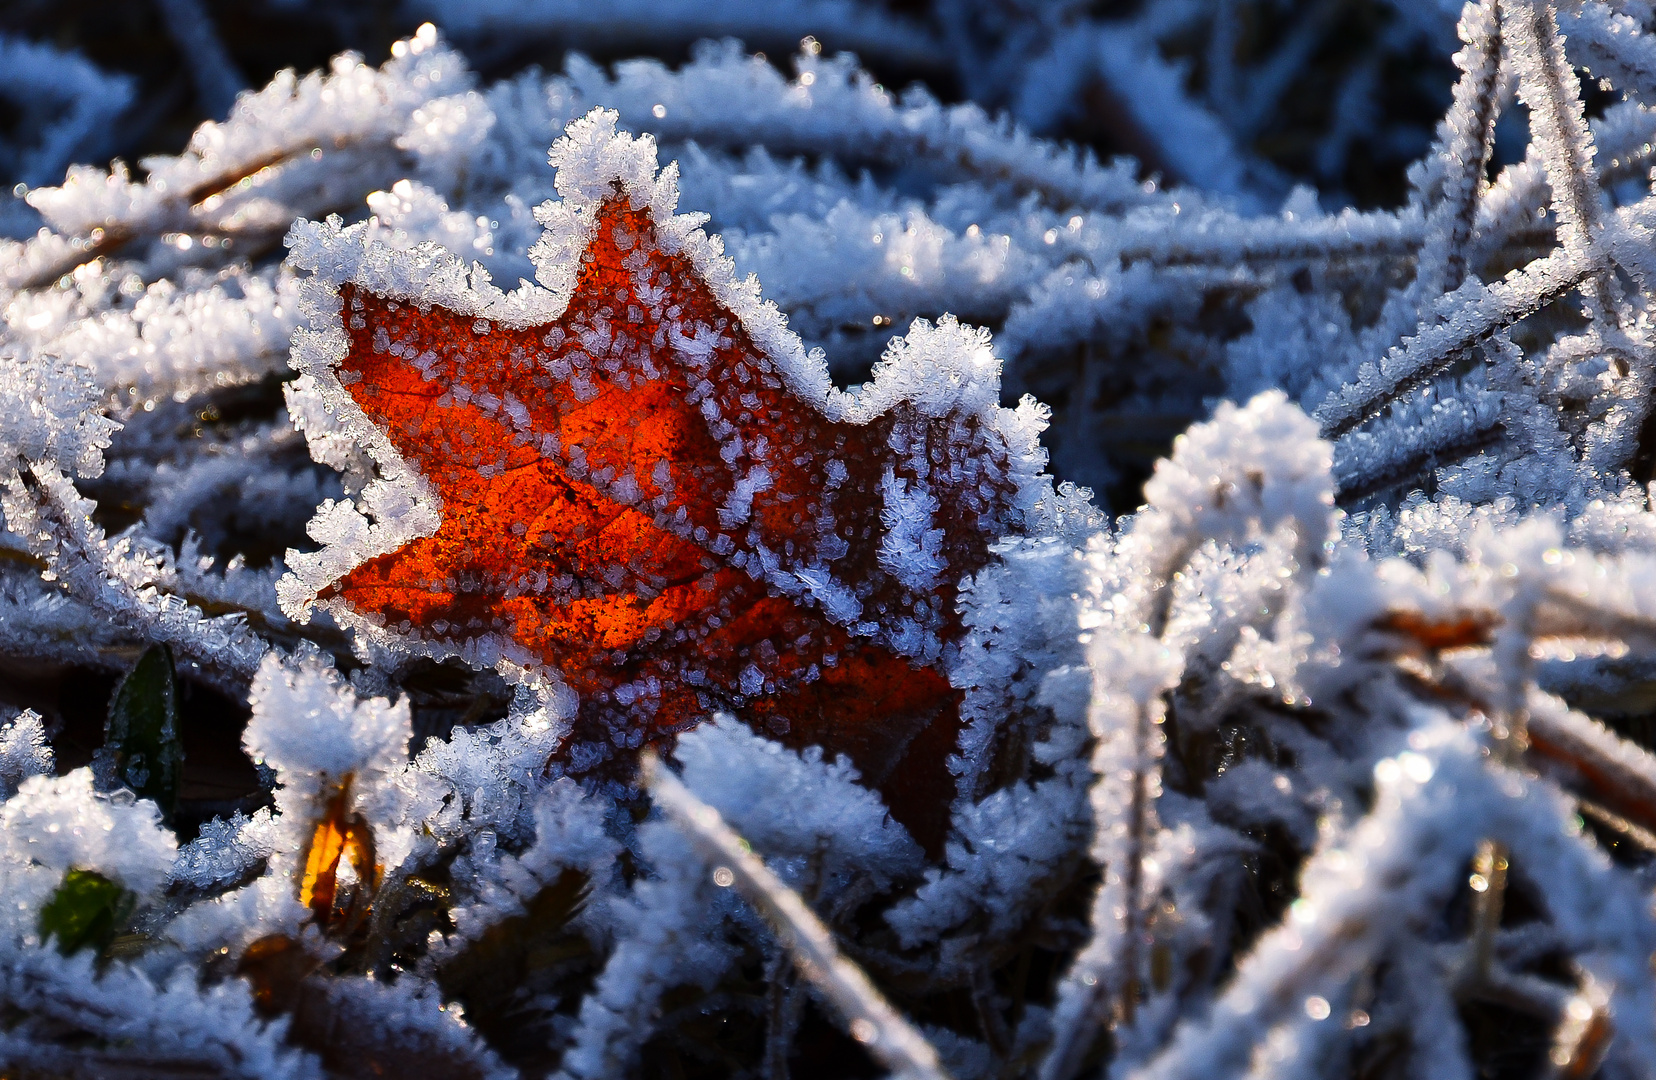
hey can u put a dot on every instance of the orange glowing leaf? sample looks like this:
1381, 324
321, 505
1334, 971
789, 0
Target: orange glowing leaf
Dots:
641, 486
338, 838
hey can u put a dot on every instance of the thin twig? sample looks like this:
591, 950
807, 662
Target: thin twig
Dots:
1549, 87
1467, 138
1489, 882
1476, 316
1637, 835
1584, 1032
81, 560
114, 235
1619, 775
871, 1019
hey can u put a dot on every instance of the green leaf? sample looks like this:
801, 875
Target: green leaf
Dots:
141, 738
86, 911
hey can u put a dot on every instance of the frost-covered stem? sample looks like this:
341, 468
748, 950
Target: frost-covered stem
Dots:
1468, 317
1621, 774
1349, 235
1584, 1031
1489, 880
112, 235
1467, 136
131, 1027
183, 211
1104, 979
873, 126
1516, 665
80, 558
1548, 85
1366, 465
1508, 210
1139, 820
871, 1019
1635, 834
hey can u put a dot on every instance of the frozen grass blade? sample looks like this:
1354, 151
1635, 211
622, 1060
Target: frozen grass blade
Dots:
868, 1015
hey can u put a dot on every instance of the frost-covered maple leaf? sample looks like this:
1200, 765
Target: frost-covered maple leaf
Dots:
636, 482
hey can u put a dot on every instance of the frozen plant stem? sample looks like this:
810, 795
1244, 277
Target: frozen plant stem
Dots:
870, 1018
80, 556
1488, 881
1584, 1032
1467, 137
1549, 87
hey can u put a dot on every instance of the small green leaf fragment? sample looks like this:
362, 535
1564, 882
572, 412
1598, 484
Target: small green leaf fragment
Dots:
86, 911
141, 739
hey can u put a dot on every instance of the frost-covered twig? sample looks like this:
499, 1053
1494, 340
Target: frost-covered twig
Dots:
1549, 87
1253, 471
1466, 138
217, 186
1466, 316
118, 581
871, 1019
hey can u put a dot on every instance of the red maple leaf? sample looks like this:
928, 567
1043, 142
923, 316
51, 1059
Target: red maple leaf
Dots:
666, 506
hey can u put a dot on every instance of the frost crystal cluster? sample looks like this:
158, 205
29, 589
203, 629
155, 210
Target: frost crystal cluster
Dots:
614, 614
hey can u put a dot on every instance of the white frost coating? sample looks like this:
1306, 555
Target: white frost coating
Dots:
568, 830
942, 369
411, 212
1009, 848
311, 728
726, 96
228, 331
55, 823
838, 602
1246, 472
412, 1016
49, 412
354, 103
739, 507
1361, 894
1250, 475
834, 827
24, 751
492, 775
448, 129
946, 370
166, 1024
911, 547
226, 851
668, 937
121, 580
889, 1037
